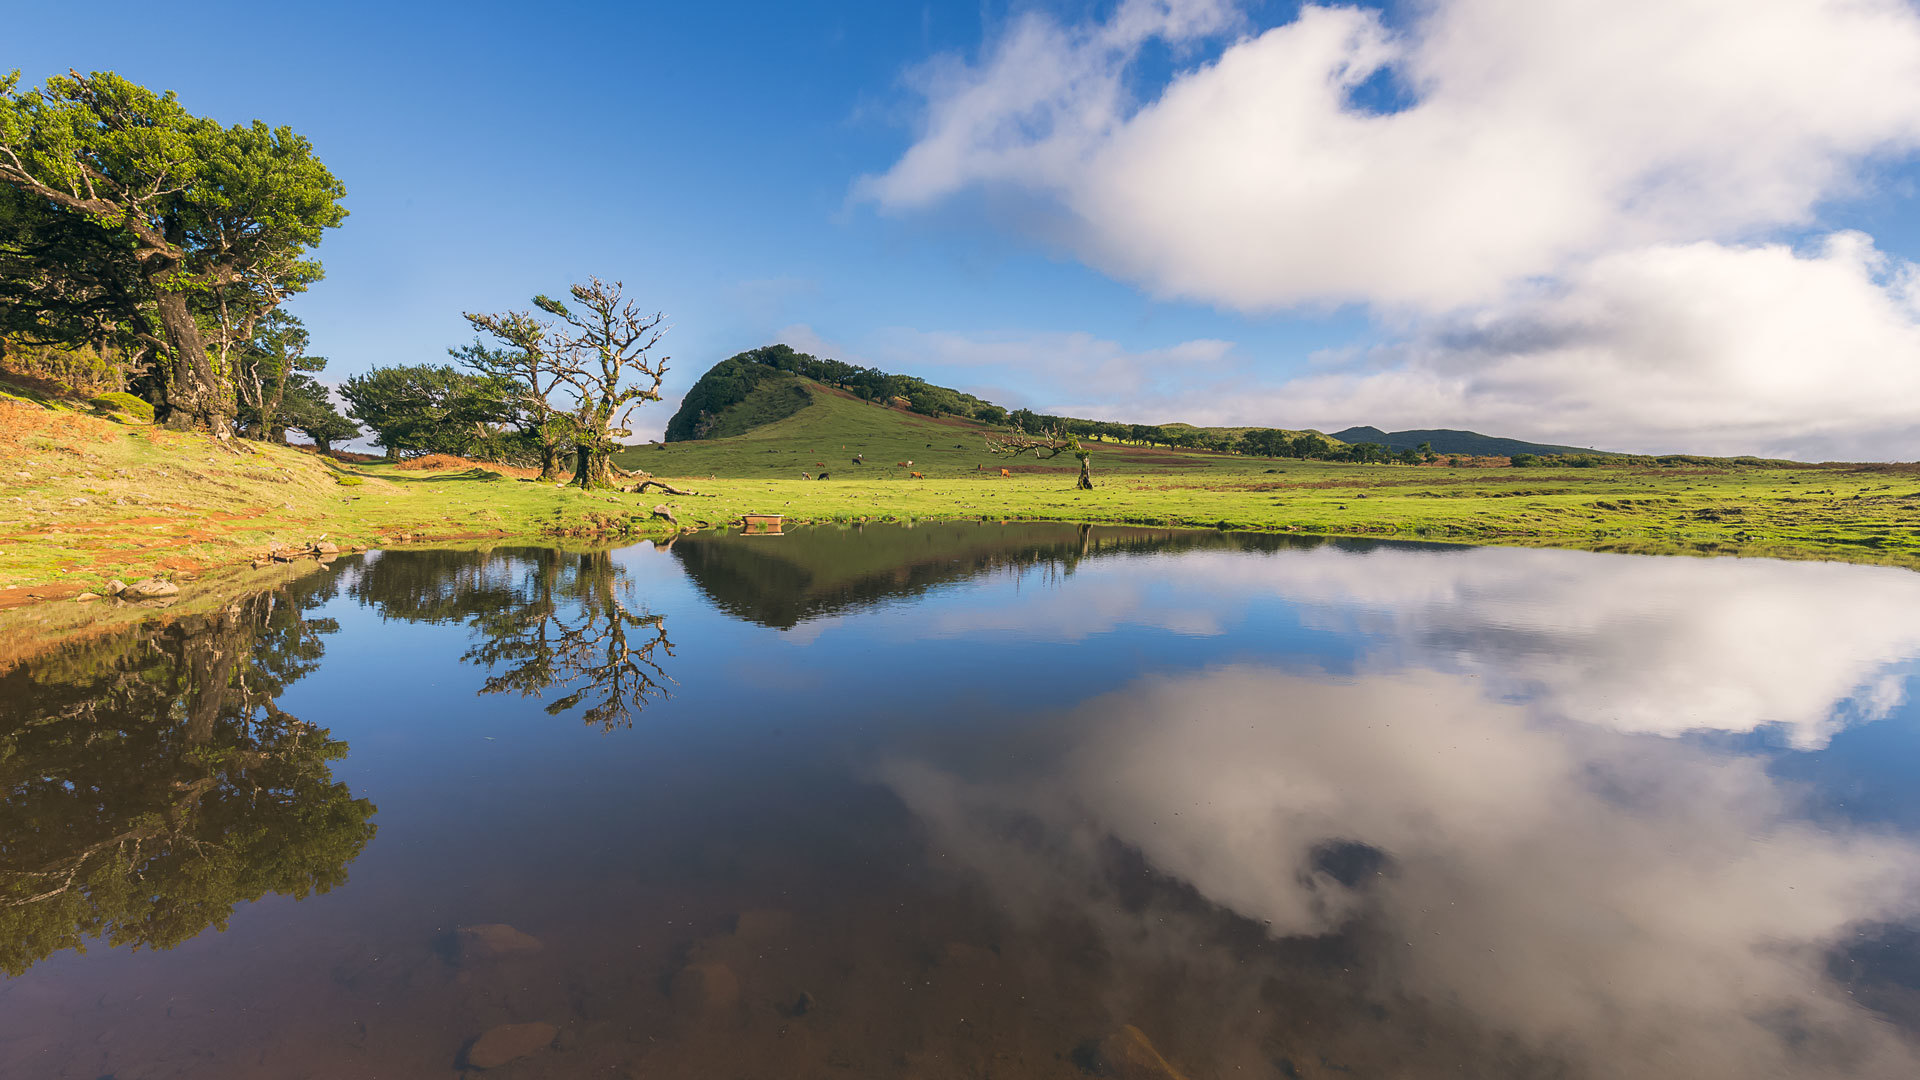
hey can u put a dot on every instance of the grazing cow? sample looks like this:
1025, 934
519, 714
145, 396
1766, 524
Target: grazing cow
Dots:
823, 475
1004, 472
857, 461
904, 464
916, 476
819, 464
806, 476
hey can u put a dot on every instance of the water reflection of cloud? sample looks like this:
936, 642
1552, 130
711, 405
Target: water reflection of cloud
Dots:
1662, 645
1640, 906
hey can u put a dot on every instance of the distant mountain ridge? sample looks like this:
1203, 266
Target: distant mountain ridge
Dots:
1454, 441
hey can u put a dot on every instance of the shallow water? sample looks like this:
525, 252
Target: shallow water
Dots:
968, 801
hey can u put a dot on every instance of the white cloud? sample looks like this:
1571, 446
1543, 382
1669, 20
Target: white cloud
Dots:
1561, 226
1700, 347
1685, 347
1540, 133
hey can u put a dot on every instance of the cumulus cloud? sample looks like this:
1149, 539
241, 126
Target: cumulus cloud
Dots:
1634, 907
1538, 133
1562, 215
1697, 347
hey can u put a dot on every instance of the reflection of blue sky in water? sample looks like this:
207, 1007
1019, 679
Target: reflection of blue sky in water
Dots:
1625, 813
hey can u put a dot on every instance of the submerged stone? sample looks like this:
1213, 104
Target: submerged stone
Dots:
491, 941
509, 1042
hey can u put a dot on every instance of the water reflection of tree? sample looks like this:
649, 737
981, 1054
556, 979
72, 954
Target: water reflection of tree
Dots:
574, 631
152, 782
546, 620
818, 571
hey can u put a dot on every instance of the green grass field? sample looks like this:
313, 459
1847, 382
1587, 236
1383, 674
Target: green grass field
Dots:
85, 499
1864, 513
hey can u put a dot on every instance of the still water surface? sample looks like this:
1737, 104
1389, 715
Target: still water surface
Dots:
968, 801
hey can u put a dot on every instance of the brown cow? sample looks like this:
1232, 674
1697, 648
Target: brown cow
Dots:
903, 464
1004, 472
916, 476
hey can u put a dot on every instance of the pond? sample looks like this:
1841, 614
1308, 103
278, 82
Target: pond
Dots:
976, 801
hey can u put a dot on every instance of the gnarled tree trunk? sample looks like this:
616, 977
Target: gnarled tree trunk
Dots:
194, 396
550, 468
593, 467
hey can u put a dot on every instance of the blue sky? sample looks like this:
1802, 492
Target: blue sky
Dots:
1150, 210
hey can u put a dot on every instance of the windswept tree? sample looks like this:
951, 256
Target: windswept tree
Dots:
308, 408
215, 221
522, 356
1050, 442
261, 371
429, 409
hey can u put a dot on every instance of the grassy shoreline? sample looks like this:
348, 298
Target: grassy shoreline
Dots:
85, 500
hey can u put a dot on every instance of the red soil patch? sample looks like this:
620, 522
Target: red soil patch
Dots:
34, 594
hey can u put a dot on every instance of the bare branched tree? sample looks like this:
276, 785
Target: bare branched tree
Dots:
575, 632
603, 352
1048, 443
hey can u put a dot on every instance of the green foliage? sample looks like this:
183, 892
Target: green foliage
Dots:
772, 400
725, 385
159, 225
264, 365
1524, 461
72, 284
308, 409
435, 409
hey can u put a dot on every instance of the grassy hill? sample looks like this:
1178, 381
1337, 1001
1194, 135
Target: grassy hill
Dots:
1236, 432
834, 427
1453, 441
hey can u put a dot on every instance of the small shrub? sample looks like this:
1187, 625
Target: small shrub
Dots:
348, 481
120, 404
